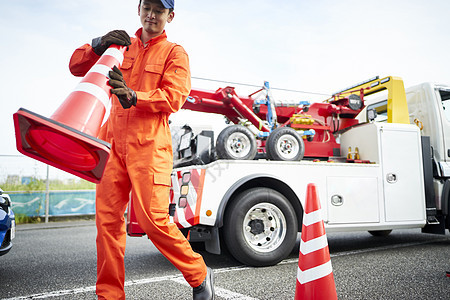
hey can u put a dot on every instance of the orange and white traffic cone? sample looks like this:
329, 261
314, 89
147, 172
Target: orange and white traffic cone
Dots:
68, 140
315, 275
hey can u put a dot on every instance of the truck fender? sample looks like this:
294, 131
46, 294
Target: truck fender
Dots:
262, 180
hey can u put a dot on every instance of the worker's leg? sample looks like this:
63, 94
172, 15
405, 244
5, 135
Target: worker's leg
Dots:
151, 204
112, 196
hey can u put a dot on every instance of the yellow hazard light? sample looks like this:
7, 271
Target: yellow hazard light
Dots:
184, 190
209, 213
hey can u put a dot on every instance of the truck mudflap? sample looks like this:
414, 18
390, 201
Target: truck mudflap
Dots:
204, 234
427, 163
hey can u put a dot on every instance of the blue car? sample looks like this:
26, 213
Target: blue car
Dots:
7, 223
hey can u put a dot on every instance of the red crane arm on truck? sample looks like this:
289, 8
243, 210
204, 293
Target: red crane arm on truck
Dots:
219, 102
324, 118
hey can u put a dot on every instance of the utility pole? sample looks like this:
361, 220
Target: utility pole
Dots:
47, 195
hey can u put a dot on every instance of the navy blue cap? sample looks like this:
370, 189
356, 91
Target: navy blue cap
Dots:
168, 3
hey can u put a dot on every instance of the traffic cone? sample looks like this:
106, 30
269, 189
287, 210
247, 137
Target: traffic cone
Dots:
315, 275
67, 140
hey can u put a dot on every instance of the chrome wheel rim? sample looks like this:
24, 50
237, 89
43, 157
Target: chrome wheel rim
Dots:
288, 146
264, 227
238, 145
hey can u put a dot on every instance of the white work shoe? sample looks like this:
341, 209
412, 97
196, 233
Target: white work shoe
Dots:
205, 291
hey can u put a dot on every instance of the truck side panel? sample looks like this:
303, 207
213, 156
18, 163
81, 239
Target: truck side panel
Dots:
402, 183
386, 193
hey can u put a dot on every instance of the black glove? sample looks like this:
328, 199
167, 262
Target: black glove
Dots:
117, 37
127, 96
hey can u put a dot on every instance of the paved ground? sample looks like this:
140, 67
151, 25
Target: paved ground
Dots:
57, 261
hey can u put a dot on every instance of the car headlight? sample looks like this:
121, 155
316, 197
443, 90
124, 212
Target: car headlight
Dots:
4, 203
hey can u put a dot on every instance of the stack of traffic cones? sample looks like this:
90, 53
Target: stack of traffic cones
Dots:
315, 275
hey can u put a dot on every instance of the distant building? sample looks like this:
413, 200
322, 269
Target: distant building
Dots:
13, 179
26, 180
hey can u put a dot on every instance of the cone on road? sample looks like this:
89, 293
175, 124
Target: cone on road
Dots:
68, 140
314, 275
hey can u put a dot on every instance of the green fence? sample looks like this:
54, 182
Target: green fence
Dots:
61, 203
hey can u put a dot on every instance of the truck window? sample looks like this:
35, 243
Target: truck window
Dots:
445, 98
381, 108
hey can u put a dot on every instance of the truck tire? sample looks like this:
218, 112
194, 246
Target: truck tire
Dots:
260, 227
284, 143
236, 142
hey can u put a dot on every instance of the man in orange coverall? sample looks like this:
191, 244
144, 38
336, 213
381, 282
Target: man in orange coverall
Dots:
152, 83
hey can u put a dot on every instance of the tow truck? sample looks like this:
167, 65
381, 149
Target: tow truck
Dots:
378, 154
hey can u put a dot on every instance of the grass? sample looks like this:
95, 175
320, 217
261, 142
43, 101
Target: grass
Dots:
36, 184
24, 219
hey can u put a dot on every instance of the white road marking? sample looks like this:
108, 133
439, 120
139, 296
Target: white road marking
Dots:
221, 292
354, 252
56, 293
224, 293
218, 291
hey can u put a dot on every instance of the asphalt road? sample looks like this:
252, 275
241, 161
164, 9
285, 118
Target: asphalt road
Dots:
57, 261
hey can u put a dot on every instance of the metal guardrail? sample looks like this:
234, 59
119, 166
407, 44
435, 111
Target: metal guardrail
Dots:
19, 169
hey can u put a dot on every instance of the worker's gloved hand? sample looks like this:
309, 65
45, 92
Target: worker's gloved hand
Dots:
117, 37
127, 96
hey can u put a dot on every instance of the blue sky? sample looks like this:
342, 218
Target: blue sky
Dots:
318, 46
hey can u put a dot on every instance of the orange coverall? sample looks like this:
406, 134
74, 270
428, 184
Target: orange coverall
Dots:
141, 160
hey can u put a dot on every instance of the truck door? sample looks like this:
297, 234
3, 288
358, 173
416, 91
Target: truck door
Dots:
444, 95
429, 109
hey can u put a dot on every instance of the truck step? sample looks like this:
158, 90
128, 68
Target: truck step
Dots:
432, 220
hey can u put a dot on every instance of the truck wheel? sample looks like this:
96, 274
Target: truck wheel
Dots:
260, 227
380, 232
236, 142
284, 143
